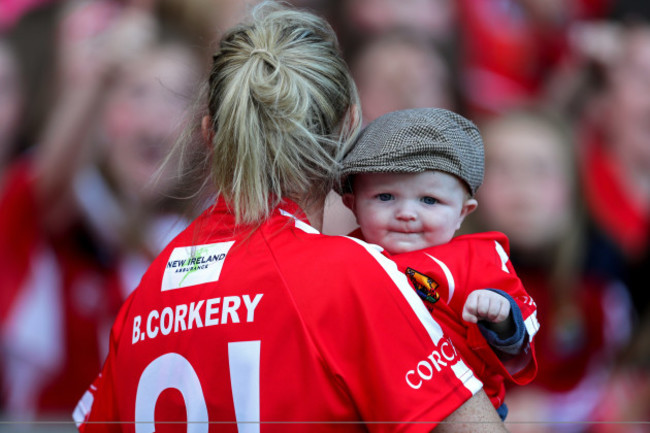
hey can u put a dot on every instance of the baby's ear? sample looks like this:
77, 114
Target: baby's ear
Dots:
348, 200
469, 206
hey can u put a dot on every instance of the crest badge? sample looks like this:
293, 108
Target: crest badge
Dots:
425, 287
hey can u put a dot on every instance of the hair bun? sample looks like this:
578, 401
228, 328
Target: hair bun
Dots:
275, 88
266, 55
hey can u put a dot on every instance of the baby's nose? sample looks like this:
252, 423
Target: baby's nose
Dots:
405, 212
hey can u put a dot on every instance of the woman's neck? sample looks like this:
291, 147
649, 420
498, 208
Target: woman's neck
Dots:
314, 213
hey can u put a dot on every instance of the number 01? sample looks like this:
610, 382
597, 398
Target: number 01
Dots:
244, 364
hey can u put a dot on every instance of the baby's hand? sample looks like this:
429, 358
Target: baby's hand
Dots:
486, 305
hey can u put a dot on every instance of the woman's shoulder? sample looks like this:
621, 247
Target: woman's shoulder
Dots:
342, 250
326, 255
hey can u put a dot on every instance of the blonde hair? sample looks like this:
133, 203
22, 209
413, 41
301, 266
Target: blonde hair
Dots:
280, 100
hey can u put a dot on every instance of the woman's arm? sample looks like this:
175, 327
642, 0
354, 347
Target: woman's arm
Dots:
476, 415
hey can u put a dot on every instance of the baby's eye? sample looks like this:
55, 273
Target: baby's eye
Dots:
384, 196
429, 200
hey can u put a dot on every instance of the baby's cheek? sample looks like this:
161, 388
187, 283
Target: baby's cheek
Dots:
371, 236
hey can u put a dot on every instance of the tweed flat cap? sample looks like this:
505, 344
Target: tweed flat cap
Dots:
416, 140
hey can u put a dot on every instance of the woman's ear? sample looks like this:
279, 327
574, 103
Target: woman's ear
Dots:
355, 115
206, 130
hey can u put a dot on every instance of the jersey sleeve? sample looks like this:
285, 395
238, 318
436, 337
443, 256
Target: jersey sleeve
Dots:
94, 412
513, 343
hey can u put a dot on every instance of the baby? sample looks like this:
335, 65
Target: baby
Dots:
410, 181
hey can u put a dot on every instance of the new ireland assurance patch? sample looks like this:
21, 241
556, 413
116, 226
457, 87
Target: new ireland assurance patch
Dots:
196, 264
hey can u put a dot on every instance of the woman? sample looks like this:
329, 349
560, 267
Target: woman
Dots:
251, 320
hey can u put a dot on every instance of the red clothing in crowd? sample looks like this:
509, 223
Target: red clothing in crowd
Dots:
506, 55
509, 50
608, 200
57, 303
572, 349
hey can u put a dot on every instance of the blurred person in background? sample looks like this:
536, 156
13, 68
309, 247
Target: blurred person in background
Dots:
30, 46
510, 51
85, 209
394, 71
612, 112
625, 408
614, 152
615, 158
530, 193
400, 70
359, 19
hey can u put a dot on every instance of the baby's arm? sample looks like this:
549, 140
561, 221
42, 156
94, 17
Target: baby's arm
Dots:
486, 305
498, 317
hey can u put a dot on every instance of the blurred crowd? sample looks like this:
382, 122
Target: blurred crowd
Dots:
93, 94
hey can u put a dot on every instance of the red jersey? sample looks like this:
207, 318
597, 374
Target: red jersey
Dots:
57, 303
278, 329
451, 272
608, 199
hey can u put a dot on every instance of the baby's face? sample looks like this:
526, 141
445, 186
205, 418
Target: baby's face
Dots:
405, 212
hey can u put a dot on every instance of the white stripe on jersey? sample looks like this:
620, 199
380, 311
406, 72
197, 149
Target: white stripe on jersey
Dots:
503, 255
432, 327
460, 369
83, 408
532, 325
450, 278
299, 224
466, 376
